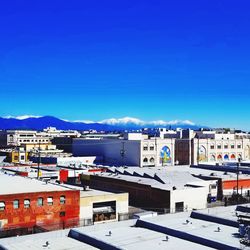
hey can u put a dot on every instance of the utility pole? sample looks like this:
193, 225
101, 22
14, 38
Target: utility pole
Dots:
122, 152
198, 151
39, 159
156, 156
238, 166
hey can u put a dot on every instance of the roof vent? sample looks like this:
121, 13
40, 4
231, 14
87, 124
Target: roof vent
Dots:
46, 244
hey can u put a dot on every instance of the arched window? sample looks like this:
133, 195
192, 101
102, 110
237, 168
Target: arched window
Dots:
226, 157
232, 157
212, 158
145, 160
165, 155
219, 157
202, 154
152, 160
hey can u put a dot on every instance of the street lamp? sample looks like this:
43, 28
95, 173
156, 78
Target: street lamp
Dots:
122, 153
39, 160
238, 166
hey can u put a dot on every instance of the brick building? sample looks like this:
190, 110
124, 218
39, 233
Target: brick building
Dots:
27, 203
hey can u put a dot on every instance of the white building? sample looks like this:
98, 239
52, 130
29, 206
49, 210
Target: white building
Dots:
135, 149
53, 132
21, 137
193, 147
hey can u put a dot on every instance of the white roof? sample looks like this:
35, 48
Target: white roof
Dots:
125, 236
155, 177
90, 192
58, 240
11, 184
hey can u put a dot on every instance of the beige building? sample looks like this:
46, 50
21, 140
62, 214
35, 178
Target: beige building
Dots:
213, 147
100, 206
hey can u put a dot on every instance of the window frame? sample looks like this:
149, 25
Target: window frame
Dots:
27, 204
16, 206
40, 199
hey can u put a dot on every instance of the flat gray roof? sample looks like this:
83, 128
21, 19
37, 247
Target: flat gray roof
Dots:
125, 235
90, 192
12, 184
58, 240
155, 177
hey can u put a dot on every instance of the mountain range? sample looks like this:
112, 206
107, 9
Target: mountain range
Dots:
126, 123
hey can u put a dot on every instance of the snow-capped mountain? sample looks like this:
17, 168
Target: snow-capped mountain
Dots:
128, 123
136, 121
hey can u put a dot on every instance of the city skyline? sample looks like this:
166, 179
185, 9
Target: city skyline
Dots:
151, 61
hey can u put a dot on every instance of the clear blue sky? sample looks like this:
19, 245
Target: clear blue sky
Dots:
147, 59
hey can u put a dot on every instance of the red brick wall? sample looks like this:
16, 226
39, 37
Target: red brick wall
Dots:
44, 215
230, 184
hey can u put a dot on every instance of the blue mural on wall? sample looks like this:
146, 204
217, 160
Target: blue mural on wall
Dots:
165, 155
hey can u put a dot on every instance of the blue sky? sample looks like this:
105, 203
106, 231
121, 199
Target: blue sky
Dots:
152, 60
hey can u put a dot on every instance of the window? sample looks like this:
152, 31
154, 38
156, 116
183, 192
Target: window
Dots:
145, 147
50, 201
16, 204
2, 205
145, 160
232, 146
212, 147
62, 199
225, 146
62, 213
22, 157
26, 203
40, 202
219, 146
151, 148
238, 146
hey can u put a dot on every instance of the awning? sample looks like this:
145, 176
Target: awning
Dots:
107, 209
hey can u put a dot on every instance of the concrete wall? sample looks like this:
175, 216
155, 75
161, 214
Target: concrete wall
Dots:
86, 204
193, 198
110, 149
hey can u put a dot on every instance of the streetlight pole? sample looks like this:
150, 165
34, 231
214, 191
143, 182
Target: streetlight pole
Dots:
238, 166
198, 151
122, 152
39, 160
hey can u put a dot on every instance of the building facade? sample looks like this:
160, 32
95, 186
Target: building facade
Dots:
28, 203
134, 149
195, 147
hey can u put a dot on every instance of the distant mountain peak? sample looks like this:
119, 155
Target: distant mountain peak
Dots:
118, 124
136, 121
22, 117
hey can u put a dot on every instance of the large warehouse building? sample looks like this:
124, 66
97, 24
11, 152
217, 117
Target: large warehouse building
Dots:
135, 149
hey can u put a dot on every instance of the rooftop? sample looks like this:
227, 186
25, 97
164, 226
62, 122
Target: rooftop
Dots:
155, 177
11, 184
160, 232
